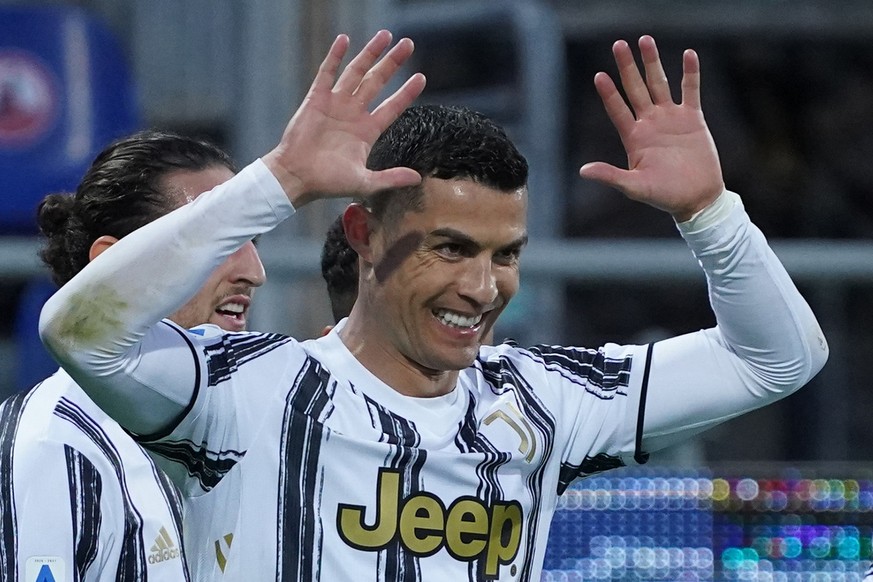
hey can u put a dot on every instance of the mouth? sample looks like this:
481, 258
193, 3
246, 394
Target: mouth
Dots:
457, 320
234, 311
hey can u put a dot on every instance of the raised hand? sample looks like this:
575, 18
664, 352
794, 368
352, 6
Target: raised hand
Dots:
324, 148
672, 160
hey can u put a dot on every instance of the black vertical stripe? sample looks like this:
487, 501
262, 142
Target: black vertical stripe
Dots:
132, 560
489, 489
469, 440
532, 409
300, 446
503, 375
10, 417
400, 565
640, 456
172, 500
86, 489
396, 430
402, 434
468, 429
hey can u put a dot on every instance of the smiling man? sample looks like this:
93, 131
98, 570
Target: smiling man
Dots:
80, 499
397, 447
440, 262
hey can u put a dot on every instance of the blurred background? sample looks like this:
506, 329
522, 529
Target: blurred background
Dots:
787, 92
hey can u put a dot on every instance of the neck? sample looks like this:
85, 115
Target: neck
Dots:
391, 367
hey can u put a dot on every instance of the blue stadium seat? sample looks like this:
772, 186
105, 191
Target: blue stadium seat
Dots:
65, 92
33, 361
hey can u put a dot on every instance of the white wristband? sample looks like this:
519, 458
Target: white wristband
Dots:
720, 208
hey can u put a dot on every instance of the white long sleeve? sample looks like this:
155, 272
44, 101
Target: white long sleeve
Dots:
98, 324
767, 342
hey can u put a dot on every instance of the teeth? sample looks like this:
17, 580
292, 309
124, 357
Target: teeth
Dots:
232, 308
456, 319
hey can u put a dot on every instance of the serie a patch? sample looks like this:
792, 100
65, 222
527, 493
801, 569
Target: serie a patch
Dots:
45, 569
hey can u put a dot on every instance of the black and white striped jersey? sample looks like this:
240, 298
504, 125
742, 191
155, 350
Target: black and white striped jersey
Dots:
330, 473
79, 499
300, 464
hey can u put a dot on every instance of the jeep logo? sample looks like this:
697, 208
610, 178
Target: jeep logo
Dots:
468, 530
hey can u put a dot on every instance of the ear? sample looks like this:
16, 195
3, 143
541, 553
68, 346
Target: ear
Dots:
100, 245
358, 224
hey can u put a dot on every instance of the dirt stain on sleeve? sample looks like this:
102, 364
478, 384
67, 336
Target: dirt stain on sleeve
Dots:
89, 320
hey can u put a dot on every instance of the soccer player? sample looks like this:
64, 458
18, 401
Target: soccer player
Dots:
398, 447
80, 499
339, 268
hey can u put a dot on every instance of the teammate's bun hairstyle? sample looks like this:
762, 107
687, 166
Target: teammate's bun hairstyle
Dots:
55, 219
339, 267
444, 142
121, 191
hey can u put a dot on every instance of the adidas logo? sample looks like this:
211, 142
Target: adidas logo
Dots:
222, 550
163, 549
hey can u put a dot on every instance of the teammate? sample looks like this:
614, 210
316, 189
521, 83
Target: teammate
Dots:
339, 268
397, 447
80, 499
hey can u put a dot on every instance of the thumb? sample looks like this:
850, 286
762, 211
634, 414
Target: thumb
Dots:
393, 178
605, 174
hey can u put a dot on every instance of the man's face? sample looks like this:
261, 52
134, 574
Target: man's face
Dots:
225, 297
442, 276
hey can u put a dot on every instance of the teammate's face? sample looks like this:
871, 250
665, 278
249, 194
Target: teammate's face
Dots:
442, 276
225, 297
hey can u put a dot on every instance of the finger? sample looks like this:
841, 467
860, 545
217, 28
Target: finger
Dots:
390, 109
691, 79
616, 108
601, 172
610, 175
656, 78
377, 77
363, 61
631, 80
392, 178
326, 74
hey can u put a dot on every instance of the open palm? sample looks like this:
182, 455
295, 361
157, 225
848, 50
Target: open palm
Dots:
324, 148
672, 161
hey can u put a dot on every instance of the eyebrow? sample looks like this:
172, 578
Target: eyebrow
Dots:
466, 239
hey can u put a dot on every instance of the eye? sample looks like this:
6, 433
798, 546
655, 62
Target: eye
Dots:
507, 256
450, 249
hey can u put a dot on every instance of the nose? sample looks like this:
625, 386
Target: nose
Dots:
478, 282
246, 266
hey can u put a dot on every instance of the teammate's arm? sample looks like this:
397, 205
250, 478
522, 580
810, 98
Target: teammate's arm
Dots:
103, 325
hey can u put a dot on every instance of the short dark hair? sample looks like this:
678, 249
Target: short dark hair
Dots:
339, 267
120, 192
443, 142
